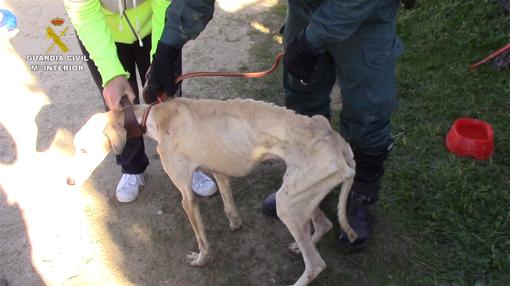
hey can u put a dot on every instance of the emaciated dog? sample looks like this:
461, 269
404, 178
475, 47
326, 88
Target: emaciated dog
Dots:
230, 138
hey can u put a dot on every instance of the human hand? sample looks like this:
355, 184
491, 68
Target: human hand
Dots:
162, 73
115, 89
299, 58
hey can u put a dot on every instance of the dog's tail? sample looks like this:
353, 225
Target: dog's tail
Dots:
344, 193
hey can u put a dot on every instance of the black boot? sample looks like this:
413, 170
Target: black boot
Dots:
269, 205
363, 197
361, 215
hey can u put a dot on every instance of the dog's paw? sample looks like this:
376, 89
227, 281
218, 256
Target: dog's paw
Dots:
235, 223
294, 248
196, 259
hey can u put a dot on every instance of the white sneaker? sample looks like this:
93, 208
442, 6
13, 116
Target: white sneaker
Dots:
202, 185
129, 186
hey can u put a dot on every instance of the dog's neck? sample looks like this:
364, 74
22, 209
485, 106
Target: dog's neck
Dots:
139, 111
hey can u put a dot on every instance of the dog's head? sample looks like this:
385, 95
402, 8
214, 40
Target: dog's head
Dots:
102, 133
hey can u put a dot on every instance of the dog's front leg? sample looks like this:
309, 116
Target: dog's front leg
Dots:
180, 170
228, 201
190, 206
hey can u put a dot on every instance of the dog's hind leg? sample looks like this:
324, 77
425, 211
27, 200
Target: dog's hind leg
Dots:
228, 201
298, 224
296, 200
321, 226
180, 170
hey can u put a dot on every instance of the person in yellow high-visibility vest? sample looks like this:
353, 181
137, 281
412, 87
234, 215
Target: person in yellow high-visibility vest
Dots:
120, 37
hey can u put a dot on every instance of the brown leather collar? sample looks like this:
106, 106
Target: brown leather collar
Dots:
130, 123
143, 125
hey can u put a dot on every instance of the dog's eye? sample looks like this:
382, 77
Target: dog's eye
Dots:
83, 151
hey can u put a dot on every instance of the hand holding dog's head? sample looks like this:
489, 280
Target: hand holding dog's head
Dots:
102, 133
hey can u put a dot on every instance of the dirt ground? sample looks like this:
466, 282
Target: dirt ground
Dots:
51, 234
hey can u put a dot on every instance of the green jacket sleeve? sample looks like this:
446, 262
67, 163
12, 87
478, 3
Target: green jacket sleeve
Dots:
336, 20
158, 22
185, 20
90, 25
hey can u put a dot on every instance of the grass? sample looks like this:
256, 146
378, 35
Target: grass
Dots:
447, 219
455, 210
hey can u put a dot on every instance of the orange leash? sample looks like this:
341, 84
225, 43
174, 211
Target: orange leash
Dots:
490, 57
233, 74
162, 96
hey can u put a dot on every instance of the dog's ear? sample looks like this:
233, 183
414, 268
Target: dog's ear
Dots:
116, 135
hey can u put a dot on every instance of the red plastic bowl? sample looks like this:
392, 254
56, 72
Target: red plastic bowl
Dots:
471, 137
